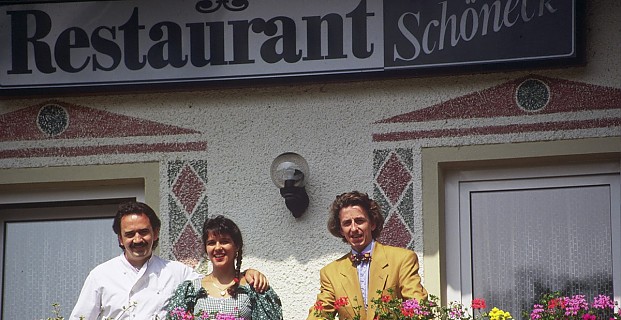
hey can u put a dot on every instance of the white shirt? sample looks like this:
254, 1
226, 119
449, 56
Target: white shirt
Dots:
363, 271
117, 290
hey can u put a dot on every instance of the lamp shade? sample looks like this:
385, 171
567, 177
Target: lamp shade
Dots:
289, 166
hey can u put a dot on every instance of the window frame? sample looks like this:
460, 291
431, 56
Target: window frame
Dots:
460, 183
38, 186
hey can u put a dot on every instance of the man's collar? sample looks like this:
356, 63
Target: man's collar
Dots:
146, 263
366, 249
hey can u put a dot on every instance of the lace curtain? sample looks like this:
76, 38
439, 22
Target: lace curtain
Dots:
540, 240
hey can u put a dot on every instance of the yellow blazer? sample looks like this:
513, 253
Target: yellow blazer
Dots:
391, 267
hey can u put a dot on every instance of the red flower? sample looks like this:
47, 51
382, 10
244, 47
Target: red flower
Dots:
478, 303
386, 298
342, 301
236, 280
407, 312
556, 303
319, 306
588, 317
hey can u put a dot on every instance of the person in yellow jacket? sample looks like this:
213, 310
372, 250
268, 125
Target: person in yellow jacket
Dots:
350, 283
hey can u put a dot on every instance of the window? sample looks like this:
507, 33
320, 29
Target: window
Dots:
512, 234
49, 247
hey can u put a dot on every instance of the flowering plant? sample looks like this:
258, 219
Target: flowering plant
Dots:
57, 316
182, 314
175, 314
56, 312
554, 306
389, 307
320, 312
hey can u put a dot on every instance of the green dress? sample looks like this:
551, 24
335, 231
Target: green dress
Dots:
190, 295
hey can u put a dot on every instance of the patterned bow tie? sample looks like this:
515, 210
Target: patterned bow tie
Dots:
356, 259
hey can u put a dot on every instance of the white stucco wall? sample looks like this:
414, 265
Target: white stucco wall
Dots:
331, 126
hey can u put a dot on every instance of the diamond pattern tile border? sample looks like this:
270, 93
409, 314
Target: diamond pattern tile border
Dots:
393, 172
187, 204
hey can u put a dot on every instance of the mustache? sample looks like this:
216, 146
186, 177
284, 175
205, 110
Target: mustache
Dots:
138, 245
132, 245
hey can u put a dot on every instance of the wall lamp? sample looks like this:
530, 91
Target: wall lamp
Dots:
289, 173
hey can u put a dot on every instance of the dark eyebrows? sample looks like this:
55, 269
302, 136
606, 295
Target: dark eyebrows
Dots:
132, 232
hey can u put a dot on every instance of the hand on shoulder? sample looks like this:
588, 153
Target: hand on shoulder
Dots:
256, 280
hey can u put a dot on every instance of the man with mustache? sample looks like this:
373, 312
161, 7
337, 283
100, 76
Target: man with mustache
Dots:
137, 284
368, 268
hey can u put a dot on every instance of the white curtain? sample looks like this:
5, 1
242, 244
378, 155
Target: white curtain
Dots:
526, 242
46, 262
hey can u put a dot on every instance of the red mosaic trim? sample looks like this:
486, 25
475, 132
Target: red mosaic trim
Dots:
514, 128
103, 150
499, 101
84, 122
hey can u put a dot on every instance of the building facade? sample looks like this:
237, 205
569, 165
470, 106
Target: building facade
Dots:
449, 157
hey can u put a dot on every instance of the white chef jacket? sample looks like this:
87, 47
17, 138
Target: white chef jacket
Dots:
117, 290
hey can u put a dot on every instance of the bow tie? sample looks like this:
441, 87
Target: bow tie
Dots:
356, 259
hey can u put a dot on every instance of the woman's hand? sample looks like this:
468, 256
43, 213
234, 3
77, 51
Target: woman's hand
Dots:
256, 280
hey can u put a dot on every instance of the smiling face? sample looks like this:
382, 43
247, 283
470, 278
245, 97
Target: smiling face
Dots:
221, 250
356, 227
137, 237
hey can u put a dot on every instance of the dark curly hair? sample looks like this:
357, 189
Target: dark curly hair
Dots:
135, 207
355, 198
221, 225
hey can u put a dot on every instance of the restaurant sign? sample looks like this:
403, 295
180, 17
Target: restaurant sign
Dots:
107, 44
